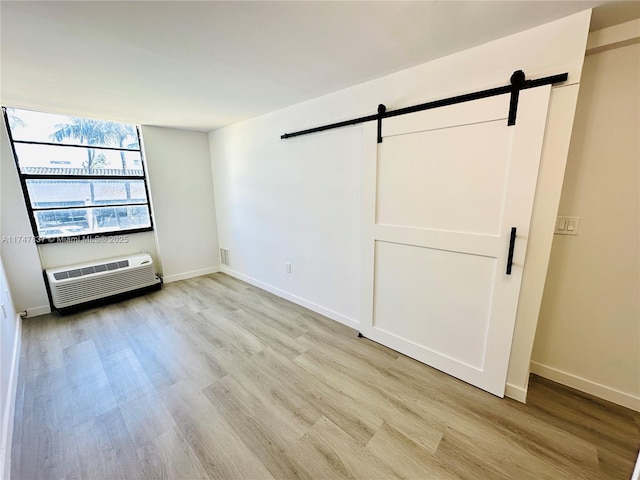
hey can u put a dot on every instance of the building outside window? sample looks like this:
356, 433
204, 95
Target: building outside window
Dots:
80, 177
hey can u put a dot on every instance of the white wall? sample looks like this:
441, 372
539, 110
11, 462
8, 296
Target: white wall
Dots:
589, 331
59, 254
297, 200
10, 329
181, 186
19, 252
9, 352
292, 202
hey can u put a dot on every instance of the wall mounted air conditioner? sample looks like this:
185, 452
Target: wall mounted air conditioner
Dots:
76, 286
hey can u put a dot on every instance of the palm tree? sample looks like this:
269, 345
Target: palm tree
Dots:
14, 120
96, 132
127, 137
87, 132
122, 132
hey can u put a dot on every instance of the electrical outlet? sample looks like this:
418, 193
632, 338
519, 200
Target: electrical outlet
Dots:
287, 267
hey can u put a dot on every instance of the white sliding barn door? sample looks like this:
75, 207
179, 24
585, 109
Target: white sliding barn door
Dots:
440, 197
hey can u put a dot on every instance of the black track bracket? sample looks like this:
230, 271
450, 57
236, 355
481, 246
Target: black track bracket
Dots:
381, 110
517, 84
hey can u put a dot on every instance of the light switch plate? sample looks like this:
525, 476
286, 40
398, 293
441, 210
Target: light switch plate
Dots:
567, 225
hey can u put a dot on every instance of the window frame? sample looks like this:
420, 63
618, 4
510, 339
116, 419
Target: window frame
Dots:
23, 177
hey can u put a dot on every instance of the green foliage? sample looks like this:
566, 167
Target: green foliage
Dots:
96, 132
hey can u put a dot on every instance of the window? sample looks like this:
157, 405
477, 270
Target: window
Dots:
80, 177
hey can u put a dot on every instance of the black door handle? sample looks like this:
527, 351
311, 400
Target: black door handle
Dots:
512, 244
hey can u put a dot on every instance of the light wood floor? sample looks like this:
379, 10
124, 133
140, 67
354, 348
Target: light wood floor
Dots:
213, 378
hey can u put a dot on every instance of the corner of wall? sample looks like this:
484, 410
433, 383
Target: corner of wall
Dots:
547, 200
338, 317
516, 393
588, 386
183, 201
588, 332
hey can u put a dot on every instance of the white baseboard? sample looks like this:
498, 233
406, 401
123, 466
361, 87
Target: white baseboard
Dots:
587, 386
636, 470
37, 311
349, 322
10, 402
515, 392
192, 274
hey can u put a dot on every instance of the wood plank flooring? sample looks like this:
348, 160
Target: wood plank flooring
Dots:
213, 378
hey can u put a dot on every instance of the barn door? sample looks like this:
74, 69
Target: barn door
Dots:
442, 195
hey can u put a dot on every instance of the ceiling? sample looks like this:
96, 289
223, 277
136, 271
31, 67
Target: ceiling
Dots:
202, 64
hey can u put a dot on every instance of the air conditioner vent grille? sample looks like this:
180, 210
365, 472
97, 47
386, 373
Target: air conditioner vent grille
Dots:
78, 284
78, 272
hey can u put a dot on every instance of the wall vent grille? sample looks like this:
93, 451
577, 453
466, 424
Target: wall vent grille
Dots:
224, 256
